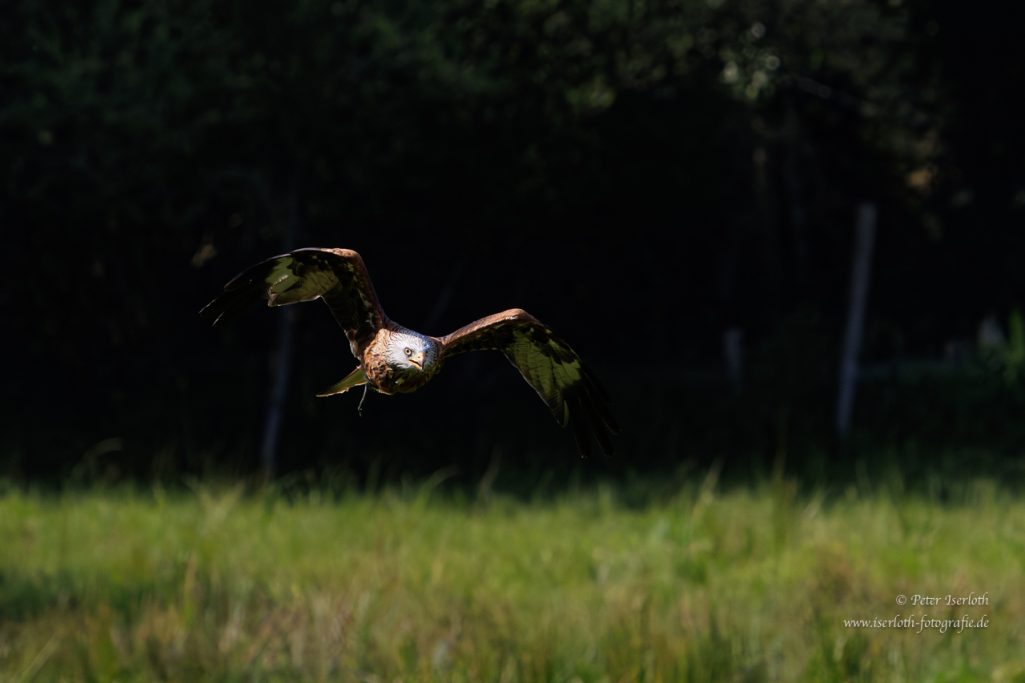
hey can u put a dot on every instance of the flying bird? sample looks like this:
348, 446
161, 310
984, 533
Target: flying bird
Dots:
395, 359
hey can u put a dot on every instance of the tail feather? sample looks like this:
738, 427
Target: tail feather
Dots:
354, 379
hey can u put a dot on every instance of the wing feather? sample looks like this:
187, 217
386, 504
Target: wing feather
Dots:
549, 365
337, 276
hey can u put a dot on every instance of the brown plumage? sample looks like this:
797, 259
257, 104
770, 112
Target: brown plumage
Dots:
394, 359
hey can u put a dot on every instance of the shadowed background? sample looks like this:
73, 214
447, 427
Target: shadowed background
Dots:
650, 179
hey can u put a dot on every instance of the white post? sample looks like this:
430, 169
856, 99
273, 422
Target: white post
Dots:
864, 237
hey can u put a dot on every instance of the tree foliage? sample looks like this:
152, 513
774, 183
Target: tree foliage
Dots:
723, 143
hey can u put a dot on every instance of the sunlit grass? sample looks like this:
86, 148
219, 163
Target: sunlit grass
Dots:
705, 585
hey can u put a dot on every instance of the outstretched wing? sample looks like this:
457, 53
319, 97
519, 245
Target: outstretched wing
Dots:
337, 276
549, 365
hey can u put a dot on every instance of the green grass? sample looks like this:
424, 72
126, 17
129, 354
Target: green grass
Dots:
747, 584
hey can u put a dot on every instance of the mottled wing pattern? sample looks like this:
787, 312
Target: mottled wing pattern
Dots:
549, 365
337, 276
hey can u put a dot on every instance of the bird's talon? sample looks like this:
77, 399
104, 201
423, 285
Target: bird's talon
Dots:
359, 408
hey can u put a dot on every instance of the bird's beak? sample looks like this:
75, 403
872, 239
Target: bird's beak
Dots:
417, 359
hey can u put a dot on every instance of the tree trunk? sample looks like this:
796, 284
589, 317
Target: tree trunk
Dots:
281, 367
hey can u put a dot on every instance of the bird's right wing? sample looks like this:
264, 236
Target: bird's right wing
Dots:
337, 276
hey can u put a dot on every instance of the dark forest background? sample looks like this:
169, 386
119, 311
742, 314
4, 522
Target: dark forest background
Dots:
649, 178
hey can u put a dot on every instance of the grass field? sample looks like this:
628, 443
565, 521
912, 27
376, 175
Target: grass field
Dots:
703, 584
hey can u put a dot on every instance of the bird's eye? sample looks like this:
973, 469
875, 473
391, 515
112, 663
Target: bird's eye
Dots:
408, 351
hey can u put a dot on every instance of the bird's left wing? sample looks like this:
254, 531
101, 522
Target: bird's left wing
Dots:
549, 365
337, 276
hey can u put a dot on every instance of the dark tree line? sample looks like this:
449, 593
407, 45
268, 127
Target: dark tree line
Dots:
642, 175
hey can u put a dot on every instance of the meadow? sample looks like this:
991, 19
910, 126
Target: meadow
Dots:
705, 582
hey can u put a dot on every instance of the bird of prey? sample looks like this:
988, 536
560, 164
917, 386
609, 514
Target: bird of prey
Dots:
394, 359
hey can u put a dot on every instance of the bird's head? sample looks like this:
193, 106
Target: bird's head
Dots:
412, 352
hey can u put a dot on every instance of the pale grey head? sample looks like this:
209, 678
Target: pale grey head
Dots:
410, 351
